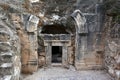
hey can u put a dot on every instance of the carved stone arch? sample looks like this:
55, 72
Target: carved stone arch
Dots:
80, 38
80, 21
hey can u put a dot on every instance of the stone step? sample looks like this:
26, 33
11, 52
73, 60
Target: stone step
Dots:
6, 54
4, 32
5, 57
56, 64
7, 77
5, 43
6, 71
4, 36
6, 65
5, 46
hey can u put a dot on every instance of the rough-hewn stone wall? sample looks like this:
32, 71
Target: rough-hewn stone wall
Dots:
18, 41
18, 34
10, 49
27, 32
112, 48
111, 36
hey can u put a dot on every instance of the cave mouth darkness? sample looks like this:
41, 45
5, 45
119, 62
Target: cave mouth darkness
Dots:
56, 54
54, 29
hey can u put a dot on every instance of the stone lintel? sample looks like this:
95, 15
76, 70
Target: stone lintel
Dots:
57, 43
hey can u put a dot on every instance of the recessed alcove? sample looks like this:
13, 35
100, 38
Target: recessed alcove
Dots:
54, 29
56, 42
56, 54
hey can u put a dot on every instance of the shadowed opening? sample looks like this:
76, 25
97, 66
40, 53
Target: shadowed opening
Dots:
56, 54
54, 29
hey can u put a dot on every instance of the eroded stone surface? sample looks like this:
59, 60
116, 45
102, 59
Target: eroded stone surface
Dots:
57, 73
9, 50
19, 29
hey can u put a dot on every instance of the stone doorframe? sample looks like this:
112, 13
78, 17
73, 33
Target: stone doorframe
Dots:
63, 40
81, 38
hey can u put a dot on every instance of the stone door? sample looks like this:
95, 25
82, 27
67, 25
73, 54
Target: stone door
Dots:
62, 41
64, 53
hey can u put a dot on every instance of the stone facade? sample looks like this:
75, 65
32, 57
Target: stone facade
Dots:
29, 30
84, 25
63, 40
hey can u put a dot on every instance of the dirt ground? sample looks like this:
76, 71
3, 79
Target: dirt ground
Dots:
58, 73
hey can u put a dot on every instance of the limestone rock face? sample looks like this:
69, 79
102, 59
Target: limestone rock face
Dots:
10, 63
112, 48
28, 36
112, 59
22, 50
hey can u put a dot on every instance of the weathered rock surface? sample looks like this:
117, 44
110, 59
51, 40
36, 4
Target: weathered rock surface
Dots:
112, 49
22, 21
10, 63
28, 36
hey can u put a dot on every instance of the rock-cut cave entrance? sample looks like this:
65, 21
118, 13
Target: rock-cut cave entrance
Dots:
56, 43
56, 54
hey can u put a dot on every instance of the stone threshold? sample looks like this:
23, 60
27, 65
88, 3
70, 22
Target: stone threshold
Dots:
56, 64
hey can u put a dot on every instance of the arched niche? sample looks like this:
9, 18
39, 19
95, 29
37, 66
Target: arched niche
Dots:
80, 38
56, 36
54, 29
60, 35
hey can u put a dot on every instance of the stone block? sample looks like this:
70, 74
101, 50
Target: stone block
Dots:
6, 54
31, 25
34, 19
6, 65
5, 46
4, 37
